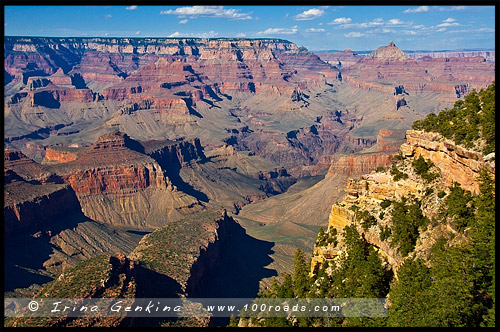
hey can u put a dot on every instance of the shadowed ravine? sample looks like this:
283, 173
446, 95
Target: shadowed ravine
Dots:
231, 267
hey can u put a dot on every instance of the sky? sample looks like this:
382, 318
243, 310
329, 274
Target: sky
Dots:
360, 28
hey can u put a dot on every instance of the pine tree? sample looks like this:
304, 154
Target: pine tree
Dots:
233, 321
300, 273
407, 293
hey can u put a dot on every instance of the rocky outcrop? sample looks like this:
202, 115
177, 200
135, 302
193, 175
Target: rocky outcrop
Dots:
126, 170
458, 163
54, 155
451, 161
116, 183
186, 251
100, 277
25, 167
29, 208
207, 256
170, 154
390, 52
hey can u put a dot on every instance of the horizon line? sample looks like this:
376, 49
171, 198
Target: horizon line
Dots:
242, 38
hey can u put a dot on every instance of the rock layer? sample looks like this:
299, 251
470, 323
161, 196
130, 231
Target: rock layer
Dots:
457, 163
454, 162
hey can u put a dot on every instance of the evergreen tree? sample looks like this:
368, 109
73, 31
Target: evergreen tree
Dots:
407, 293
233, 321
460, 207
300, 274
286, 290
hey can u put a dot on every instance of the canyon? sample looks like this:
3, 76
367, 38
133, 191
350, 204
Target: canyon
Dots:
202, 164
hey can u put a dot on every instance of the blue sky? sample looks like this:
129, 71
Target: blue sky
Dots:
315, 27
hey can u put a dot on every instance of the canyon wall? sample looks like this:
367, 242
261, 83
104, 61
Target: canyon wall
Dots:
456, 162
452, 161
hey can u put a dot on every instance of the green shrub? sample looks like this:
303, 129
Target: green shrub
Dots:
406, 218
397, 174
385, 232
468, 121
385, 203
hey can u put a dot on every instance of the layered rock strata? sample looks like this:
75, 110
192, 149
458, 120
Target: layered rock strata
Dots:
388, 67
451, 161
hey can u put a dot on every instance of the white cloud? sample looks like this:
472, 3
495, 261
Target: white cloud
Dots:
486, 30
449, 20
378, 22
409, 32
310, 14
107, 16
183, 21
315, 30
210, 34
441, 30
447, 24
241, 35
395, 21
131, 8
208, 11
452, 8
341, 20
279, 31
418, 26
138, 32
420, 9
354, 34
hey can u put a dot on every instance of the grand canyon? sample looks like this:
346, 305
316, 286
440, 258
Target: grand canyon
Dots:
195, 167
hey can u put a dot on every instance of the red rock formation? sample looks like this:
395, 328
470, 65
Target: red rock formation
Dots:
51, 98
120, 68
358, 164
388, 143
387, 67
56, 155
111, 166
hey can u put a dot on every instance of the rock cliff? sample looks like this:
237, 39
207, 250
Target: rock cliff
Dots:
30, 207
458, 163
116, 183
451, 162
